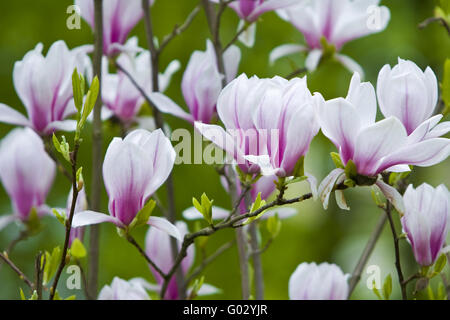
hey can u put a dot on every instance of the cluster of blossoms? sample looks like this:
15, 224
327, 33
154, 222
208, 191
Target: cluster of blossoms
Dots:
268, 127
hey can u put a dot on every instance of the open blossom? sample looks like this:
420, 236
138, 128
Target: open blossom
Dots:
374, 146
44, 85
80, 205
411, 95
26, 172
119, 94
267, 120
337, 22
289, 109
426, 221
133, 169
123, 290
119, 18
318, 282
201, 84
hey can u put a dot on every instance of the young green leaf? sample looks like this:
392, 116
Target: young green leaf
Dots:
77, 90
143, 215
91, 98
350, 169
387, 287
22, 295
299, 169
207, 207
52, 262
337, 160
440, 264
77, 250
61, 216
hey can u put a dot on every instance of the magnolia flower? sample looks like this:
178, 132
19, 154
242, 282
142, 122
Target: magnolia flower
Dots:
372, 146
119, 94
318, 282
119, 18
80, 205
44, 84
335, 21
288, 108
235, 106
134, 168
270, 123
250, 10
123, 290
201, 85
27, 173
426, 221
411, 95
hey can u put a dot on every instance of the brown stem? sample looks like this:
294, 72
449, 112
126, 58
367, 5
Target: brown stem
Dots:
97, 155
236, 37
171, 212
256, 255
146, 257
64, 257
398, 265
21, 275
214, 27
178, 29
295, 73
435, 19
356, 275
23, 235
39, 266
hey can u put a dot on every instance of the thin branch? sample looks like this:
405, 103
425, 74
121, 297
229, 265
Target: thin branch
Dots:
441, 21
209, 260
356, 275
214, 19
411, 278
23, 235
398, 265
63, 261
256, 256
189, 238
154, 60
236, 37
295, 73
146, 257
241, 239
97, 154
39, 266
266, 246
178, 29
16, 270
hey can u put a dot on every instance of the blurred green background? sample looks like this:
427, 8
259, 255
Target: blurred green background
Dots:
313, 234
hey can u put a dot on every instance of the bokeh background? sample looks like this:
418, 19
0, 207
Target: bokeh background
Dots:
313, 234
